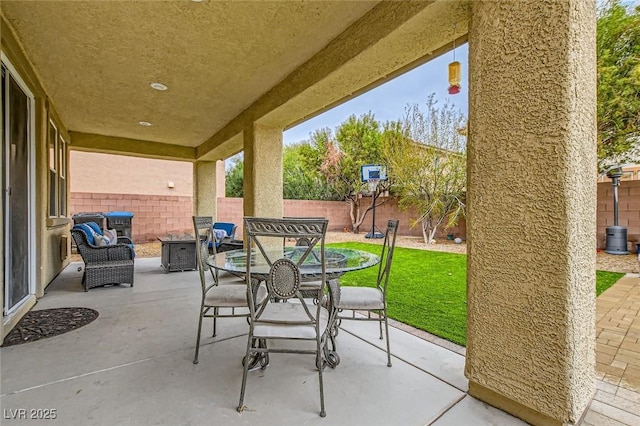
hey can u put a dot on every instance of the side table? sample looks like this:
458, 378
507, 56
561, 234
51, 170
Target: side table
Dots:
178, 253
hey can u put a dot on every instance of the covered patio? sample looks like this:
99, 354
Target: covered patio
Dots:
78, 75
133, 365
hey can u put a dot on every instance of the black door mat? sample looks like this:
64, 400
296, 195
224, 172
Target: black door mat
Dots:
36, 325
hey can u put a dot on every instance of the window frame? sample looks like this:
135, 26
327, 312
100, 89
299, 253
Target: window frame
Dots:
58, 171
62, 176
52, 166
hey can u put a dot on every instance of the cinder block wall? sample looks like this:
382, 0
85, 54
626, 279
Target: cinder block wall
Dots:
158, 215
230, 210
628, 210
153, 215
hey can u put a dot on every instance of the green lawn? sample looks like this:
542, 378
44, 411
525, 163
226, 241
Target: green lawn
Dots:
428, 289
605, 279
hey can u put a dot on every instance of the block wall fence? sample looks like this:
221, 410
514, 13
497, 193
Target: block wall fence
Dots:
153, 215
158, 215
230, 210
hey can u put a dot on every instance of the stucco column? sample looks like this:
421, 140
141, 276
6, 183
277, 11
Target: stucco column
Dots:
220, 179
532, 207
263, 172
204, 188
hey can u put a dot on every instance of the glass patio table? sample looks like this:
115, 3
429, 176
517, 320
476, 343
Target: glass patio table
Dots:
338, 261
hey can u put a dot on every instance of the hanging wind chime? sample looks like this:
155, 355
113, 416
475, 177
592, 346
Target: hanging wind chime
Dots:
454, 70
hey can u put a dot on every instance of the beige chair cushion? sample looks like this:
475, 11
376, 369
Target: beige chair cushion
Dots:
232, 296
360, 298
289, 312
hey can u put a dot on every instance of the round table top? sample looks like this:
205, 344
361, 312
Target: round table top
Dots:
338, 260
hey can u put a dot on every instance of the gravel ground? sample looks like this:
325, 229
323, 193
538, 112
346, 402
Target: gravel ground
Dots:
605, 262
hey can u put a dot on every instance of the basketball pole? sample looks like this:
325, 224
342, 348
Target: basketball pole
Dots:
373, 233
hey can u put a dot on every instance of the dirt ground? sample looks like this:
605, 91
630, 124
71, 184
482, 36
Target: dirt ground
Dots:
604, 261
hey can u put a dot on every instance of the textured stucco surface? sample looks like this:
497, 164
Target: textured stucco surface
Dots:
424, 35
204, 188
227, 64
118, 174
388, 40
96, 59
532, 196
47, 236
263, 172
92, 142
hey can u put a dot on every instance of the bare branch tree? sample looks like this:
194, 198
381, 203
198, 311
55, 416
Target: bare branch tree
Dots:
426, 155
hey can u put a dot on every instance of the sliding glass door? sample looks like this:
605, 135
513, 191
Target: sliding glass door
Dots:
17, 104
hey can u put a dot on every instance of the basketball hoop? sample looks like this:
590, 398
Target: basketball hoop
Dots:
372, 174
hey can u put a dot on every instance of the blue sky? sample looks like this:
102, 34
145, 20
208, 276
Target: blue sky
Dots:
388, 101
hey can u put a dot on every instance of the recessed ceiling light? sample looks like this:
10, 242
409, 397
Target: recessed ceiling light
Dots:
144, 123
159, 86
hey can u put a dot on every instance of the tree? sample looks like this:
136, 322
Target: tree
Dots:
234, 178
302, 179
426, 155
358, 142
618, 50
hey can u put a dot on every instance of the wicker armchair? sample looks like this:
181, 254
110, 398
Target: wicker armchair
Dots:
229, 229
104, 265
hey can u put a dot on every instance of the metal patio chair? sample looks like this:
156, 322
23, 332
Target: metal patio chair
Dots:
217, 296
286, 314
369, 299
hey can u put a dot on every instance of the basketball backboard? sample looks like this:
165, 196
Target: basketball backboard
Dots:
373, 171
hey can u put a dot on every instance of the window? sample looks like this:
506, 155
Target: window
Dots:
62, 176
53, 170
57, 172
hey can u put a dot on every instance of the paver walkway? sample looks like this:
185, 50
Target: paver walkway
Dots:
617, 400
618, 334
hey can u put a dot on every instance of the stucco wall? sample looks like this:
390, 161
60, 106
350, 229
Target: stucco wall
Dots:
48, 232
532, 209
117, 174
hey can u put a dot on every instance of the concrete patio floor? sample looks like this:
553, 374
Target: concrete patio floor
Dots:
133, 366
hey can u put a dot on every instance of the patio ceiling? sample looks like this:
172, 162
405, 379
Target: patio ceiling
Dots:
225, 63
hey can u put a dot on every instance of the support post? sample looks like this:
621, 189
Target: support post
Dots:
532, 208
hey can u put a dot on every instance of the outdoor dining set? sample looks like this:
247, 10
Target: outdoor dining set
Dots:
282, 278
285, 282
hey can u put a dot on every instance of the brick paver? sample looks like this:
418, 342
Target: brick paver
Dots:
617, 333
617, 401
